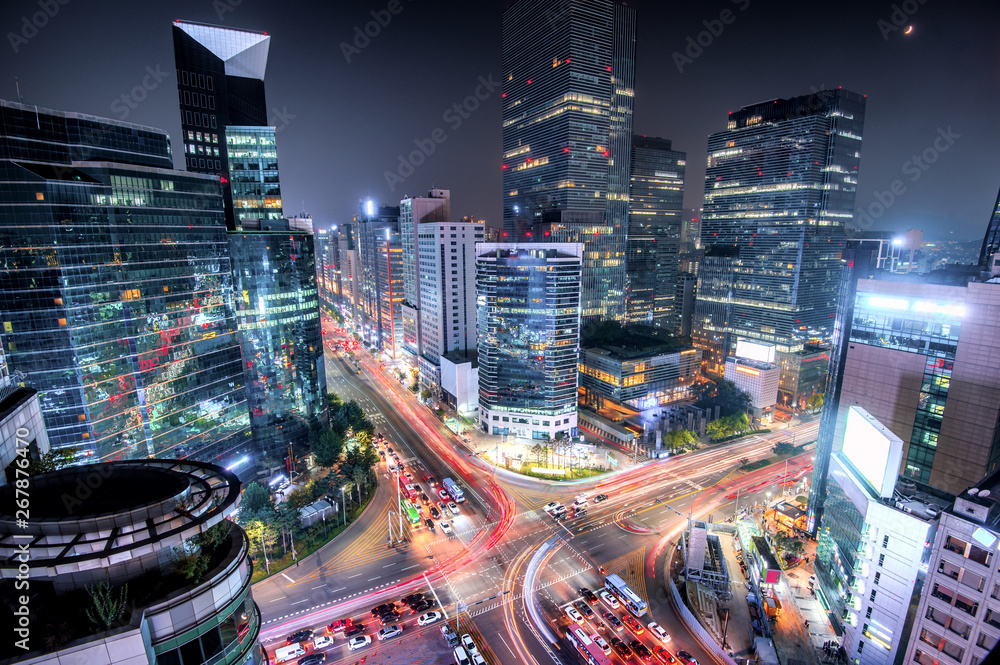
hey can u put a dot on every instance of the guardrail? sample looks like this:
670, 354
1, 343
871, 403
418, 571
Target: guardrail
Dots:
692, 624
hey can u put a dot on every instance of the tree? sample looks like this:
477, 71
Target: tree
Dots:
425, 394
723, 394
717, 429
107, 605
783, 448
329, 448
815, 402
256, 498
299, 498
681, 438
51, 461
190, 561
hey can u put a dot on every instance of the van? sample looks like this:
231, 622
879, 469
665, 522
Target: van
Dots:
287, 653
461, 658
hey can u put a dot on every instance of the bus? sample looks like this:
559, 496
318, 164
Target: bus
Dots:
409, 512
628, 598
453, 490
588, 650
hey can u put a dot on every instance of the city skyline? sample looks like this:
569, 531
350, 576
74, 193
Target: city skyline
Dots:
954, 194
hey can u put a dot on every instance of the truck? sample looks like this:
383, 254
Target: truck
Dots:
772, 606
449, 636
453, 490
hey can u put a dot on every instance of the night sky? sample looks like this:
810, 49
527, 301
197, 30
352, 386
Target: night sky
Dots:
342, 125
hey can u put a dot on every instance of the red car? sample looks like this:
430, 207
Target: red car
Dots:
339, 624
633, 625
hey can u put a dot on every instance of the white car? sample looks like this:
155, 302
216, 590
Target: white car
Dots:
549, 507
601, 644
453, 507
322, 642
609, 599
359, 642
390, 631
575, 615
445, 526
580, 501
428, 618
477, 658
469, 644
657, 629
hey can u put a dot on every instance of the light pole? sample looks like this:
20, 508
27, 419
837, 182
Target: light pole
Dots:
343, 504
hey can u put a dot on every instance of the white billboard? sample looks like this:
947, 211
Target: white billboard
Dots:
755, 351
873, 450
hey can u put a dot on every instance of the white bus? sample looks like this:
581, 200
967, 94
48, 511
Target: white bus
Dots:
628, 598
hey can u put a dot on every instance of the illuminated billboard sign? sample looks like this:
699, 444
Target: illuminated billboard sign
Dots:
918, 306
873, 450
755, 351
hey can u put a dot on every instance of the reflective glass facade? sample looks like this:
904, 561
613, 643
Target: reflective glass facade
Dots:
991, 242
277, 314
779, 187
116, 291
568, 77
529, 329
379, 272
656, 200
253, 174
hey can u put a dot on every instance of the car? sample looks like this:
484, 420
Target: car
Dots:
429, 618
574, 615
657, 630
423, 605
580, 512
442, 507
588, 595
443, 495
446, 527
609, 599
430, 480
449, 636
477, 658
580, 501
469, 643
312, 659
383, 608
687, 658
663, 655
600, 497
435, 513
339, 624
584, 608
390, 631
389, 448
322, 642
634, 625
558, 514
389, 617
640, 649
621, 648
359, 642
429, 523
614, 621
453, 507
549, 507
601, 644
300, 636
424, 498
354, 629
412, 598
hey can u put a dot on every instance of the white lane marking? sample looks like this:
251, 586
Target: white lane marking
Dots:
288, 578
319, 587
304, 600
506, 645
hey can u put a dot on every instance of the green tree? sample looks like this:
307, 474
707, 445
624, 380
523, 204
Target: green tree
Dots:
815, 402
107, 605
425, 394
723, 394
783, 448
537, 451
680, 438
190, 561
298, 498
717, 429
329, 448
51, 461
256, 498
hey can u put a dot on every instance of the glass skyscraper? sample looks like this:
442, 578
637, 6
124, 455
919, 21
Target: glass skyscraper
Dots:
779, 188
991, 242
567, 96
277, 314
413, 211
380, 277
656, 200
253, 174
220, 82
116, 291
528, 299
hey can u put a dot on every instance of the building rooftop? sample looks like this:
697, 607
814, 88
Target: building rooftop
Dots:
980, 503
747, 362
631, 343
462, 356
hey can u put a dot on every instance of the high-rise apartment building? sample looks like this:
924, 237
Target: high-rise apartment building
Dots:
991, 241
116, 297
779, 188
958, 618
220, 82
529, 338
347, 266
380, 267
253, 175
327, 274
567, 97
278, 321
447, 292
413, 211
656, 201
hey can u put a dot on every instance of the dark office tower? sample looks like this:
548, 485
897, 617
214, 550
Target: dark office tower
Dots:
220, 82
380, 268
253, 175
277, 315
656, 200
568, 74
116, 293
991, 243
779, 188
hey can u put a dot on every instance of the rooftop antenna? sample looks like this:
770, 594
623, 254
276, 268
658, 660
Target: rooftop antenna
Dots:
17, 85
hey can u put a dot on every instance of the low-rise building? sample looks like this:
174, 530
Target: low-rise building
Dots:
639, 370
757, 379
460, 381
